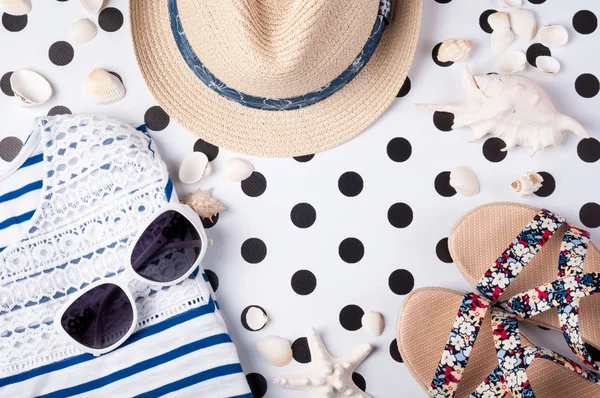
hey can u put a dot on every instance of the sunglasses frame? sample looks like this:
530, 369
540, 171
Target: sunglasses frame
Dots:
129, 275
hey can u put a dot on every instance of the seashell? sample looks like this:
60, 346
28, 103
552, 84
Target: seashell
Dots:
499, 22
254, 318
275, 350
373, 321
30, 88
454, 50
203, 203
16, 7
500, 41
511, 3
512, 62
463, 180
522, 21
237, 169
553, 36
193, 167
511, 107
527, 184
547, 65
92, 6
82, 31
103, 88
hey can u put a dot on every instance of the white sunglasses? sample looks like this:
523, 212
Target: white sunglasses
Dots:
166, 251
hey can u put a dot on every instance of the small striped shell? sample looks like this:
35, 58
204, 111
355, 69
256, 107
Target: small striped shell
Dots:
454, 50
82, 31
276, 350
103, 88
92, 6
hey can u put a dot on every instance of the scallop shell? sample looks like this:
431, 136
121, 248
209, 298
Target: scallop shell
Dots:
527, 184
500, 41
513, 61
92, 6
275, 350
373, 322
522, 21
103, 88
463, 180
203, 203
547, 65
499, 22
237, 169
193, 167
254, 318
553, 36
16, 7
30, 88
82, 31
454, 50
511, 3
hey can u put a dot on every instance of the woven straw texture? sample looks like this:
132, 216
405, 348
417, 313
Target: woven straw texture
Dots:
424, 324
315, 128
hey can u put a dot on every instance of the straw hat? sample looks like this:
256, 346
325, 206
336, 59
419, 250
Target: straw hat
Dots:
275, 78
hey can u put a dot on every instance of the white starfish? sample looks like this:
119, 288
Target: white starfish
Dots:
329, 376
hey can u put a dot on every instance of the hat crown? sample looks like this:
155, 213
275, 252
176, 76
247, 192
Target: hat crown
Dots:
277, 48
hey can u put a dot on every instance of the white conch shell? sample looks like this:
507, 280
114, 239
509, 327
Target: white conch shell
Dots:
527, 184
92, 6
500, 41
275, 350
499, 22
203, 203
511, 3
522, 21
553, 36
237, 169
193, 167
454, 50
254, 318
82, 31
464, 182
16, 7
513, 61
103, 88
511, 107
30, 88
373, 322
547, 65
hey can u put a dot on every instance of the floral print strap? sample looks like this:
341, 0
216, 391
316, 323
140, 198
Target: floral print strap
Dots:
458, 348
518, 254
572, 251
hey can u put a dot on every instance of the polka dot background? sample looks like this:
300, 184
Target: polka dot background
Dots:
318, 240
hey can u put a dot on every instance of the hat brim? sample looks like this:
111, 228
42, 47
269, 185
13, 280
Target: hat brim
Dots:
232, 126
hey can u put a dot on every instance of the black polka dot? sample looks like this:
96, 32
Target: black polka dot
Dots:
61, 53
442, 185
443, 120
535, 50
351, 317
350, 184
110, 19
59, 110
594, 352
303, 215
5, 85
585, 22
351, 250
245, 313
590, 215
441, 2
405, 89
394, 353
14, 23
587, 85
442, 251
588, 150
213, 279
548, 186
255, 185
359, 380
401, 281
492, 149
536, 1
209, 222
400, 215
304, 158
434, 55
399, 149
300, 350
483, 21
257, 384
10, 148
211, 151
304, 282
156, 118
254, 250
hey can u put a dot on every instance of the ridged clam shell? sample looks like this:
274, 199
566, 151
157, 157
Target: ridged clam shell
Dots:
92, 6
553, 36
82, 31
499, 22
373, 322
522, 21
513, 61
15, 7
237, 169
193, 167
454, 50
547, 65
464, 182
103, 88
30, 88
275, 350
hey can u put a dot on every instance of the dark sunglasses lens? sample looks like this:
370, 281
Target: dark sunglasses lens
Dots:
100, 317
167, 249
